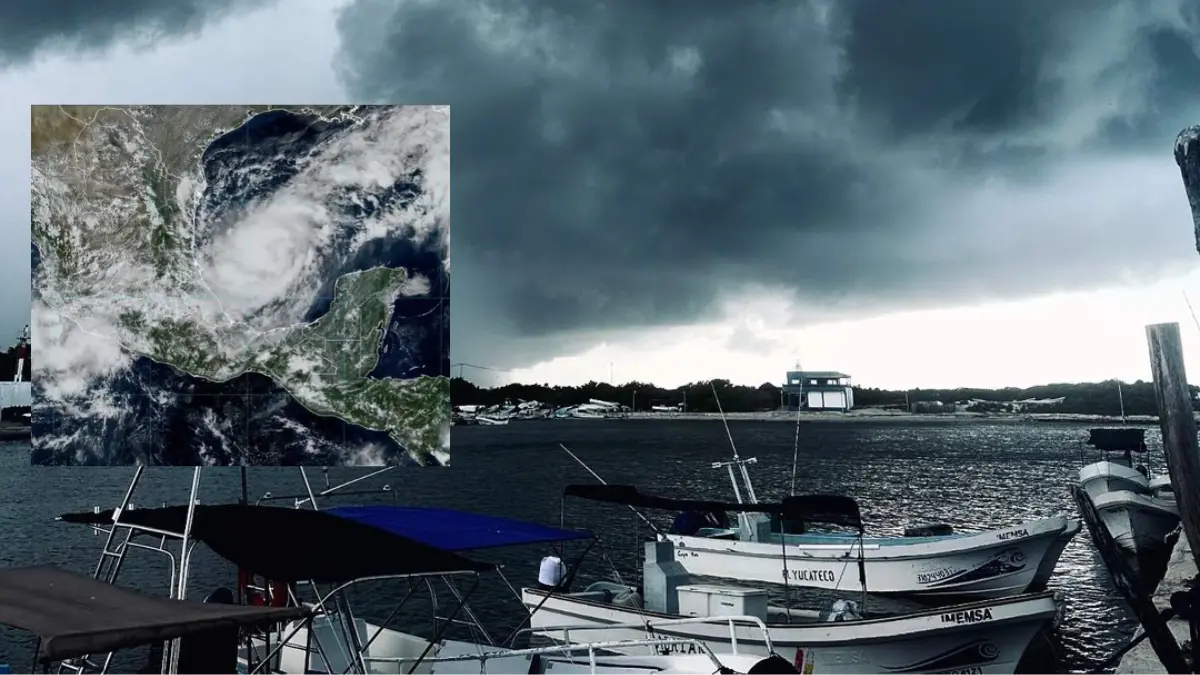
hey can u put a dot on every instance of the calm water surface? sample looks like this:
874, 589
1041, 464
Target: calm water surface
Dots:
970, 475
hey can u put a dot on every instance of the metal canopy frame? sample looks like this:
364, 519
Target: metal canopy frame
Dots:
329, 603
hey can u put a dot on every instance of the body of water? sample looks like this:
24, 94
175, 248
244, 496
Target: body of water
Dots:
970, 475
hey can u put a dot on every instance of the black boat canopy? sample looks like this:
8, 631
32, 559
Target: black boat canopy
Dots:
76, 615
295, 544
1118, 439
828, 509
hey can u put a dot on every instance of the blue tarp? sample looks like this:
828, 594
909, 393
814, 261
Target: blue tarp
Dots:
454, 530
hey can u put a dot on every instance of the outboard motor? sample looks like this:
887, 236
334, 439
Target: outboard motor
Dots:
552, 573
688, 523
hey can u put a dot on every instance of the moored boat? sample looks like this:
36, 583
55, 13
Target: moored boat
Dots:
304, 568
934, 567
1139, 512
983, 637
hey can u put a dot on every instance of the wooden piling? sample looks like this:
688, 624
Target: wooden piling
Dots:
1178, 423
1187, 156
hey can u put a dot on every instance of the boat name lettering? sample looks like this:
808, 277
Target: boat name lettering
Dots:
935, 575
965, 671
968, 616
1012, 534
678, 648
809, 575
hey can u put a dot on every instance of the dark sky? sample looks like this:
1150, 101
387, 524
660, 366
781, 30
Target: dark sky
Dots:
624, 164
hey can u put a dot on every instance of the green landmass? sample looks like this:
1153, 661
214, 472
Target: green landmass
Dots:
1087, 398
115, 238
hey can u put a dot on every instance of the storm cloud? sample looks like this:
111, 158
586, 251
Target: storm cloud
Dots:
27, 28
627, 164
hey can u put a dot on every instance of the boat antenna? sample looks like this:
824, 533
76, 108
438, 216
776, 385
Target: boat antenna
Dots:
741, 463
795, 450
1121, 401
1190, 310
604, 482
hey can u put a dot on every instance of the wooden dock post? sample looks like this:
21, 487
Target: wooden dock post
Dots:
1178, 423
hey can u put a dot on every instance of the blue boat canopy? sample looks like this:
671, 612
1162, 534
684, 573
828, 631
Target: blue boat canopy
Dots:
455, 531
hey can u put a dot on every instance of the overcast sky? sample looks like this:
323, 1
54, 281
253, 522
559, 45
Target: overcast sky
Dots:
932, 193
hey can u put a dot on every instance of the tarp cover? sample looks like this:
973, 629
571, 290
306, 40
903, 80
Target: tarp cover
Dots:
830, 509
455, 530
296, 544
1118, 439
76, 615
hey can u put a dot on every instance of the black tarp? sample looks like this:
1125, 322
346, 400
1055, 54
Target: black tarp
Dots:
76, 615
828, 509
1118, 439
296, 544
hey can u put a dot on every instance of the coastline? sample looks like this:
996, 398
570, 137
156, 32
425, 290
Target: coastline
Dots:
880, 414
1181, 570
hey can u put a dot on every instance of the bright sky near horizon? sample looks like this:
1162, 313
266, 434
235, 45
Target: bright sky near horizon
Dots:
1069, 337
724, 189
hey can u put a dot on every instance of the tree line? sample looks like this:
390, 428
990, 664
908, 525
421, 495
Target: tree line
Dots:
1092, 398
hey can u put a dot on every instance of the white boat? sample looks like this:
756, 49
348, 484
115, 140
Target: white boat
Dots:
391, 651
982, 637
1139, 512
491, 421
1119, 473
285, 631
991, 564
968, 565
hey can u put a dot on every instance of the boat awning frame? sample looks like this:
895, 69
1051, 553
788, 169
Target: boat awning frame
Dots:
451, 530
74, 615
277, 542
827, 509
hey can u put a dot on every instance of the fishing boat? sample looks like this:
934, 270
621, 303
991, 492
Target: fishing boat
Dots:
291, 611
1139, 512
980, 637
1119, 473
932, 564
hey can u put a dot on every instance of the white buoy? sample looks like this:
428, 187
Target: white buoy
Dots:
552, 571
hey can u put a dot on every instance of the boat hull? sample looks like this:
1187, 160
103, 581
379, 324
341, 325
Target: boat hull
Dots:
1139, 523
330, 653
991, 564
984, 637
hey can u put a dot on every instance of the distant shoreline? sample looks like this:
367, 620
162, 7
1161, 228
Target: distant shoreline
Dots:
878, 414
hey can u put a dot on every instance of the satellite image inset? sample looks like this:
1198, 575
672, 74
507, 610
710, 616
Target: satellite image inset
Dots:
241, 285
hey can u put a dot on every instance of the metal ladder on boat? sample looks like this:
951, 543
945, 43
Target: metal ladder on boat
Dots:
107, 569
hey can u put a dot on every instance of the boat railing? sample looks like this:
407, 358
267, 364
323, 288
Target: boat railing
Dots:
732, 621
567, 650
